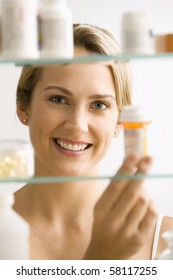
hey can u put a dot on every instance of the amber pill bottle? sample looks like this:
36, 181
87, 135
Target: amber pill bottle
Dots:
135, 121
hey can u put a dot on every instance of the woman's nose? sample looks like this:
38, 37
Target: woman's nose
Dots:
77, 122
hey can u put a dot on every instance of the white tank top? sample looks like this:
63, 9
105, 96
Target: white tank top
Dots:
156, 236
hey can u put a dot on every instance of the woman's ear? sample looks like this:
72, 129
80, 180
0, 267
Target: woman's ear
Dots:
22, 114
117, 130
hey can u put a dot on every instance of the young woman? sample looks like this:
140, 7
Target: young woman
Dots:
72, 114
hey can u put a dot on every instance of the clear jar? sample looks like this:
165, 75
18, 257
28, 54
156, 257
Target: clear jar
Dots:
167, 254
16, 161
137, 33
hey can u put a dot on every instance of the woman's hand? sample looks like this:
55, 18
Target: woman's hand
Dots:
124, 217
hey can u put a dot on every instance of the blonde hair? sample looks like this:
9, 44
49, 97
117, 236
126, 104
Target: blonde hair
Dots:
95, 40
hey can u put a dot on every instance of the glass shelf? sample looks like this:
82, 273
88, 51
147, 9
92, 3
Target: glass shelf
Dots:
91, 58
62, 179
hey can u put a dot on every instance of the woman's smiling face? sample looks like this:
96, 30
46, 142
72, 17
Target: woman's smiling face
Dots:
72, 118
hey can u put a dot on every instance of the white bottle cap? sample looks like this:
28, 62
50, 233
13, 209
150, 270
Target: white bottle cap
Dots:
134, 113
6, 199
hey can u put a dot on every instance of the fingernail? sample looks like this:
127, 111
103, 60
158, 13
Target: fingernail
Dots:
145, 164
148, 160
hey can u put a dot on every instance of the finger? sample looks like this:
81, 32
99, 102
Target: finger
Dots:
141, 232
115, 188
148, 223
143, 168
137, 214
132, 192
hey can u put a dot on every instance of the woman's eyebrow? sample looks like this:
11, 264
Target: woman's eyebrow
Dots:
100, 96
64, 90
68, 92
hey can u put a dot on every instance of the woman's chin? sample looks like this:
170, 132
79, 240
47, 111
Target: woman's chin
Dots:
74, 173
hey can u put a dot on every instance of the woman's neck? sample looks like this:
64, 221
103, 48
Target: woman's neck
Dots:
70, 200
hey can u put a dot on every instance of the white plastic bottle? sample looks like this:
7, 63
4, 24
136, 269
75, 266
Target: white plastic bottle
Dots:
56, 27
19, 29
0, 30
14, 231
137, 33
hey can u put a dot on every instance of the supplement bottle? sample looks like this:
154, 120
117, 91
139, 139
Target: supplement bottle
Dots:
16, 161
19, 29
14, 231
137, 33
134, 121
56, 28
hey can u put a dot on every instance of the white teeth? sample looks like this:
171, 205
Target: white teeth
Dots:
71, 147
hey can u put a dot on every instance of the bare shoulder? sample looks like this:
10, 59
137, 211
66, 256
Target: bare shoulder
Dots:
167, 224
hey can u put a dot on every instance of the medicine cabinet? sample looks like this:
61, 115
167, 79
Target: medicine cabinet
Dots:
92, 58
